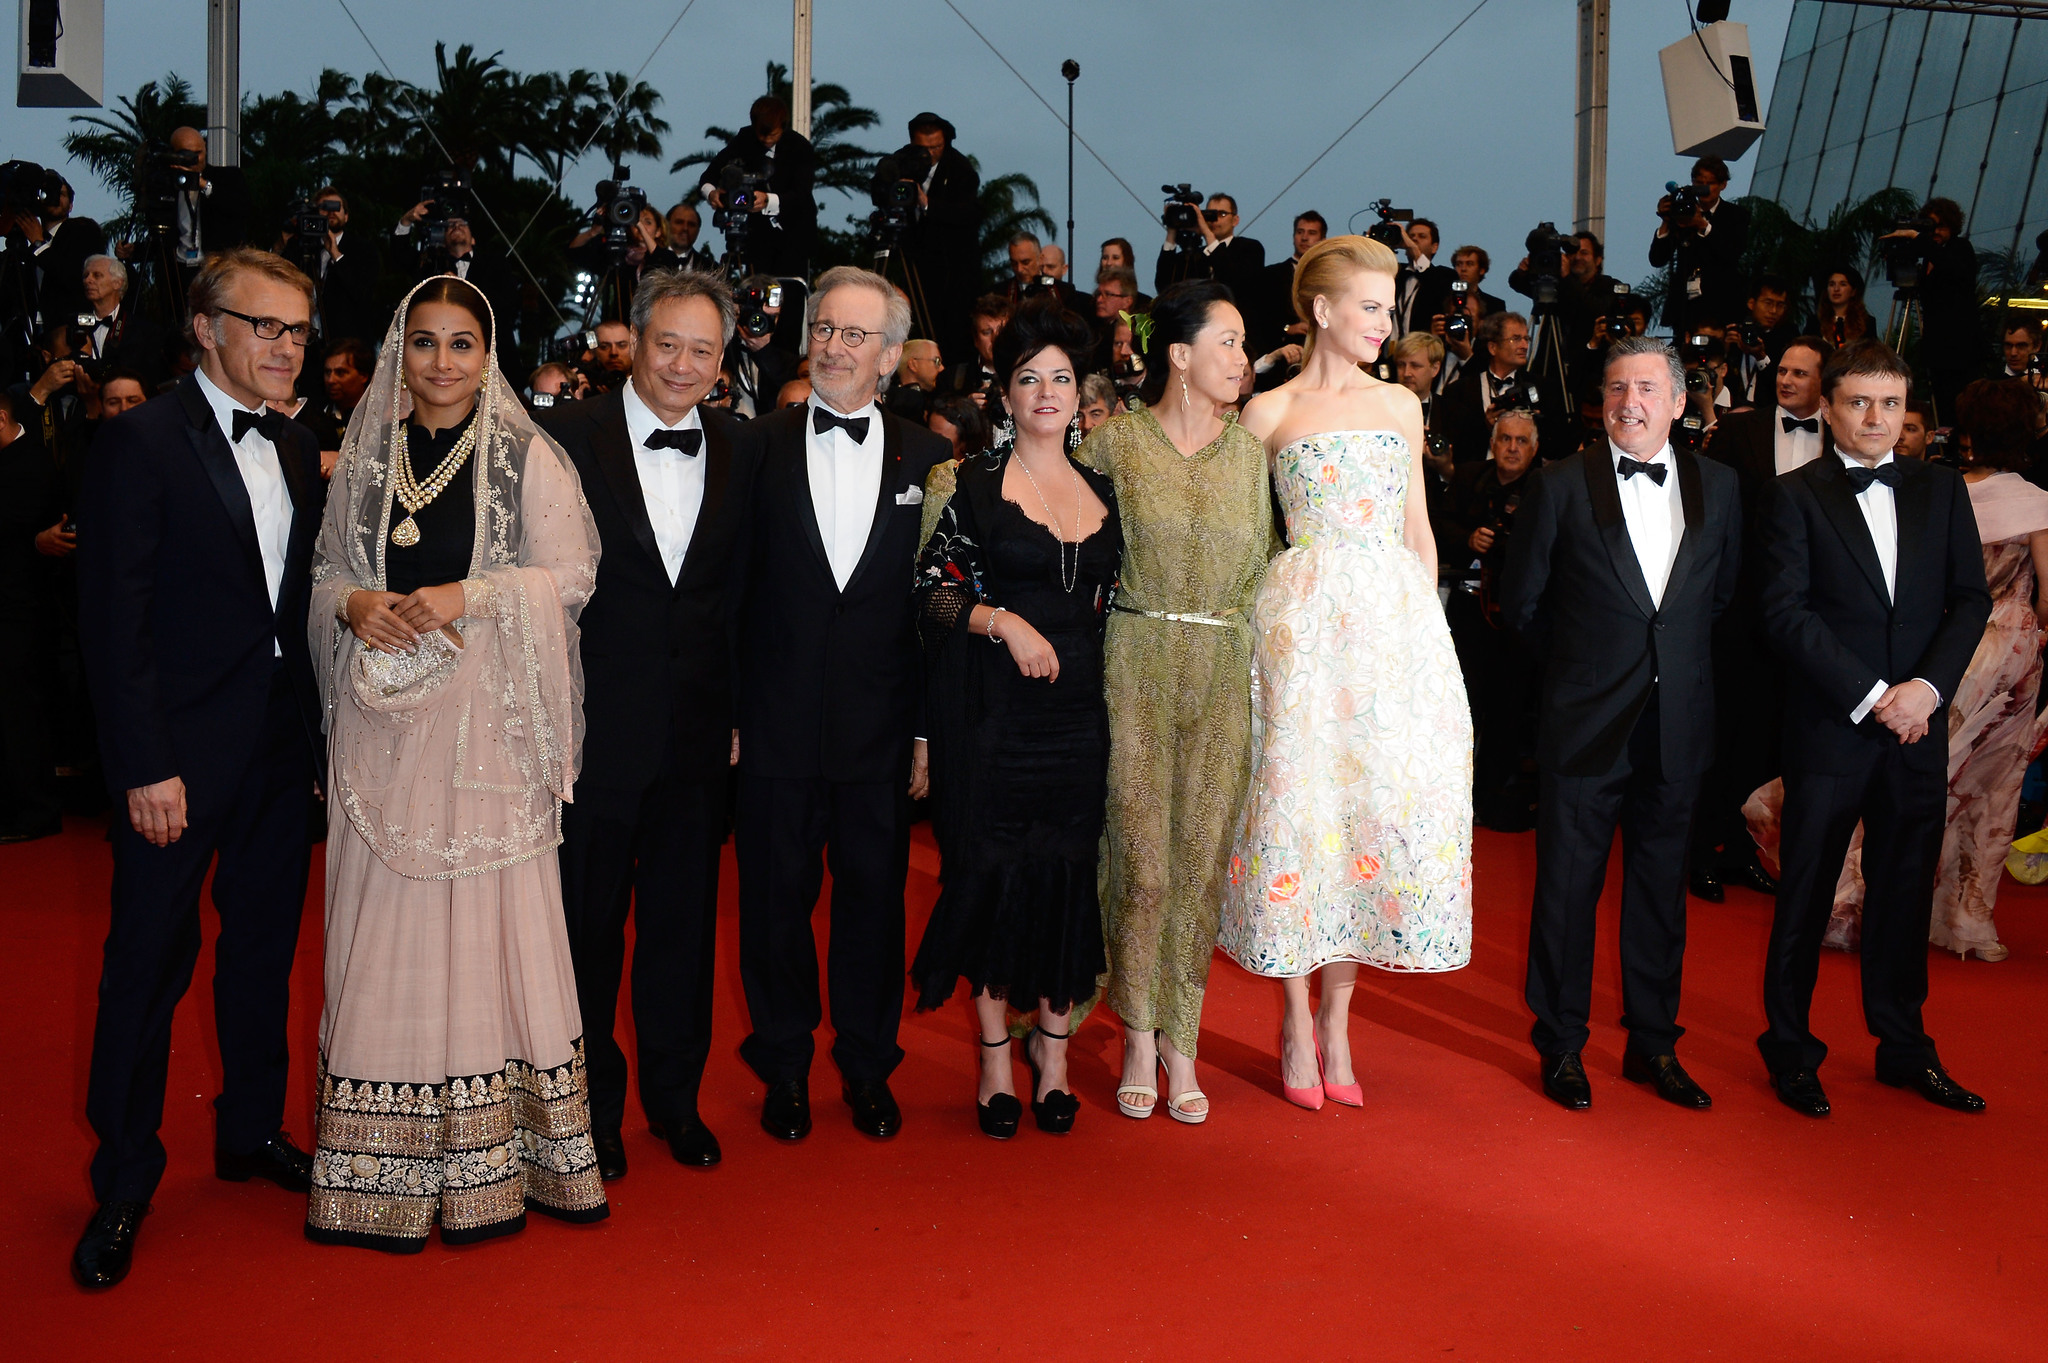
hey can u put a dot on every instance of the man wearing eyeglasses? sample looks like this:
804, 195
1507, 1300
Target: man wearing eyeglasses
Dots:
827, 693
196, 521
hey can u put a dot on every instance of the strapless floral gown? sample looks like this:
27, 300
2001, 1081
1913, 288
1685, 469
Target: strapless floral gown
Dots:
1356, 839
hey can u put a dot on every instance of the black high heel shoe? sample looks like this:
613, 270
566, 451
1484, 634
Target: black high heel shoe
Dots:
1001, 1113
1055, 1112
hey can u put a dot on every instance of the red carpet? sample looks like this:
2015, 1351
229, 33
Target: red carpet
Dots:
1460, 1215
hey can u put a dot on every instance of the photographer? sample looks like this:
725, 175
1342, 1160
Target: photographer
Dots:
682, 227
758, 366
50, 243
447, 245
346, 274
937, 192
1700, 238
1584, 291
1202, 243
1755, 343
1420, 287
1269, 311
1023, 251
774, 168
976, 377
1930, 258
620, 244
120, 334
1470, 405
613, 355
1479, 516
917, 378
559, 382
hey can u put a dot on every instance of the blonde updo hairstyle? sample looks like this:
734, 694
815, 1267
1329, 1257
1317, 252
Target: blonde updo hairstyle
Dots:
1326, 268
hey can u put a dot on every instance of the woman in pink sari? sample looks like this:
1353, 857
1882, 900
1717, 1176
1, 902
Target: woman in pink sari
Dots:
456, 554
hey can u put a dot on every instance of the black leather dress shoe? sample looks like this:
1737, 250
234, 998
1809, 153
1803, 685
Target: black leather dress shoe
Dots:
1751, 876
692, 1143
1933, 1084
874, 1108
108, 1245
611, 1152
1800, 1090
1707, 885
786, 1111
1564, 1081
1669, 1078
277, 1159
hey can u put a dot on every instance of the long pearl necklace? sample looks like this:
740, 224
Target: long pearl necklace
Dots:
1068, 577
415, 495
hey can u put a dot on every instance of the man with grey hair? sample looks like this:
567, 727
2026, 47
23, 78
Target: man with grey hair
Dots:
667, 481
1622, 557
1024, 250
128, 338
829, 688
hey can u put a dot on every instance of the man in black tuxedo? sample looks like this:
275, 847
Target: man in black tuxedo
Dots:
1755, 343
1420, 285
780, 239
123, 335
828, 697
1703, 249
1759, 444
54, 247
1875, 599
942, 244
347, 274
459, 255
1269, 307
1219, 253
1467, 409
195, 536
668, 487
680, 229
1620, 560
212, 208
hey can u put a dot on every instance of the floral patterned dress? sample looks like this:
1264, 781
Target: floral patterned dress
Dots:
1356, 840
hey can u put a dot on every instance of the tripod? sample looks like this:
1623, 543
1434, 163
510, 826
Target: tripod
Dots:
901, 270
1547, 366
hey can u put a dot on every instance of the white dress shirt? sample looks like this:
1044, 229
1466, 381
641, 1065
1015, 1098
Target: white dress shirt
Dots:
1794, 449
263, 478
1654, 517
846, 480
1881, 513
671, 482
103, 331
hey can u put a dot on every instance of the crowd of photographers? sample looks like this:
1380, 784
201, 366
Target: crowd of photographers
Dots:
1504, 384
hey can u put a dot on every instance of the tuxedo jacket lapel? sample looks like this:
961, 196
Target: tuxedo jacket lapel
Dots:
614, 449
217, 457
1838, 501
1692, 501
717, 457
1605, 494
885, 498
796, 450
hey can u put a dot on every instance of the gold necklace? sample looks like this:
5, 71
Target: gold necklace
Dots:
414, 495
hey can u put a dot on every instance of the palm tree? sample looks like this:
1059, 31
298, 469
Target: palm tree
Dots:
841, 164
112, 144
1009, 205
1801, 253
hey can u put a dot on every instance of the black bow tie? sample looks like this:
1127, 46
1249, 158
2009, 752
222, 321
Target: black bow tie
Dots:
1861, 478
268, 423
824, 419
689, 442
1792, 423
1655, 469
464, 256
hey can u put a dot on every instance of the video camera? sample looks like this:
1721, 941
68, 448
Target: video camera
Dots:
1681, 201
1905, 258
755, 302
1387, 231
619, 206
1182, 206
27, 188
738, 186
305, 229
1546, 248
894, 193
447, 197
165, 173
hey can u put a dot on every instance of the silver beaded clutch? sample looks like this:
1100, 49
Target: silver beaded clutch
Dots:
433, 662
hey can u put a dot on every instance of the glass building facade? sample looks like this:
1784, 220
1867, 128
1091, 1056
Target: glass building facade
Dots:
1938, 104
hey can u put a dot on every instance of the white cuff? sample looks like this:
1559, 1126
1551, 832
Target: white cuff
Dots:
1856, 716
774, 205
1938, 701
403, 229
1209, 247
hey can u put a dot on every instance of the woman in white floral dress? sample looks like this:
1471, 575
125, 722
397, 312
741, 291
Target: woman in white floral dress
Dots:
1356, 840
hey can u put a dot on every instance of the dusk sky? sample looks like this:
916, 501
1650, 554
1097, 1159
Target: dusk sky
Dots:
1235, 97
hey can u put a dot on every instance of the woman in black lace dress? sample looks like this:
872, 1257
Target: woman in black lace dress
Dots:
1013, 588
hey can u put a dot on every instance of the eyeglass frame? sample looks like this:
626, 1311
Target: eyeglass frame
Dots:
301, 333
854, 337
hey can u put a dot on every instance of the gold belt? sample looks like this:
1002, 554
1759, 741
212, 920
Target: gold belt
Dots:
1222, 617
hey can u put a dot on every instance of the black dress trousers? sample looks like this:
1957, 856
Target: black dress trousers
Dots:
652, 852
789, 831
1575, 821
258, 829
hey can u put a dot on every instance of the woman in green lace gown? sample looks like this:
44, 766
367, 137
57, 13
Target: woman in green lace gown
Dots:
1197, 518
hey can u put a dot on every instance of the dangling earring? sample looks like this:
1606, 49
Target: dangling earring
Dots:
1184, 390
1074, 433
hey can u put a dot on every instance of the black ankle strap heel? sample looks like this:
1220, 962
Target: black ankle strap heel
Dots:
1056, 1111
999, 1116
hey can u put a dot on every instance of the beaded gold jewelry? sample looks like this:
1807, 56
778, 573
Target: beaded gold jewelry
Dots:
415, 495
